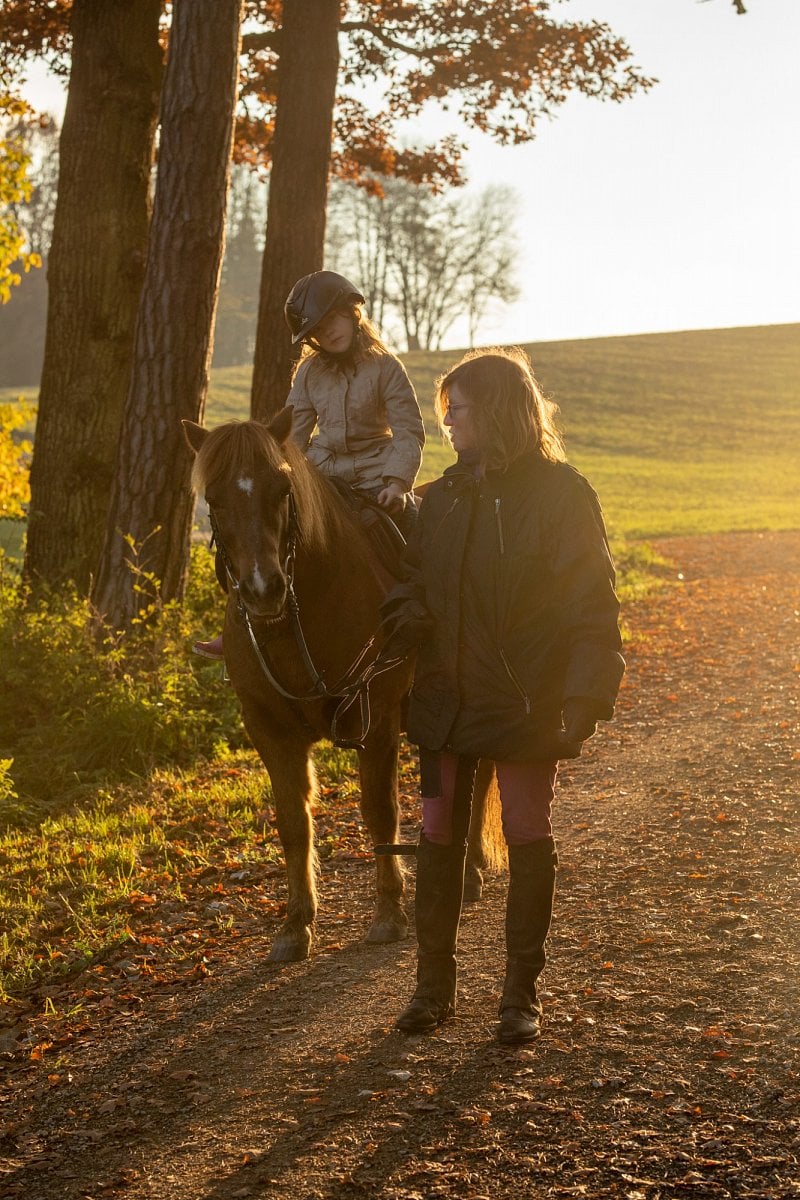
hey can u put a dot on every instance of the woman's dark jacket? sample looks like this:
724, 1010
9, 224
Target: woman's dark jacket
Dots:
514, 573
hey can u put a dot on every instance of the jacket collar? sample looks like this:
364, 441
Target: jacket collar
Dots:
462, 473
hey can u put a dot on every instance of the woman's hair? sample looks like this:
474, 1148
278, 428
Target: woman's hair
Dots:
509, 413
367, 339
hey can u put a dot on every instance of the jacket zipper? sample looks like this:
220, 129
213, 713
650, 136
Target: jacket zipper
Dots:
509, 669
512, 675
498, 522
444, 518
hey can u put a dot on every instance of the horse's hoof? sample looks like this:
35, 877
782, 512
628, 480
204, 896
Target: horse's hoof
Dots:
290, 947
384, 931
473, 884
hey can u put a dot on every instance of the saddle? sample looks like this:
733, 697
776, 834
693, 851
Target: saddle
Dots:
384, 536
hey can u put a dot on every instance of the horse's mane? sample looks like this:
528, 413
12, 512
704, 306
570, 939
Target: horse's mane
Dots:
237, 447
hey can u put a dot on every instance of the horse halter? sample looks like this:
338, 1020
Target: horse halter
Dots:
293, 529
351, 686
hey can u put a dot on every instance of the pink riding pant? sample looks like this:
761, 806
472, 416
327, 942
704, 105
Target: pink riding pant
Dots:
526, 798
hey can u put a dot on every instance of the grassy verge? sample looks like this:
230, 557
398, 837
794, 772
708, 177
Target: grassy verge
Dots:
76, 715
128, 797
120, 874
680, 433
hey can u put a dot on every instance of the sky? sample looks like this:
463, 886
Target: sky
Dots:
675, 210
678, 209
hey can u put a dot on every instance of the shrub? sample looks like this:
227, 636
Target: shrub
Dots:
77, 712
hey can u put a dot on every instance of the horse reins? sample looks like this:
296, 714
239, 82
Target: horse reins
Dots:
351, 686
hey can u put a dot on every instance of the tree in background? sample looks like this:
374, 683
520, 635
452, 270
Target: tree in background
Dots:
15, 454
305, 77
358, 238
234, 338
500, 64
146, 549
22, 324
425, 258
15, 188
95, 270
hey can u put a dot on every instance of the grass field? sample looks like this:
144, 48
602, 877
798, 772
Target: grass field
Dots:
680, 433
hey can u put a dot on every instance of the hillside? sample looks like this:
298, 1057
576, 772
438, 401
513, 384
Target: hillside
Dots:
680, 433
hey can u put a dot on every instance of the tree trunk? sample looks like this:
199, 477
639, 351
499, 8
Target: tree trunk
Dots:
145, 553
301, 151
95, 273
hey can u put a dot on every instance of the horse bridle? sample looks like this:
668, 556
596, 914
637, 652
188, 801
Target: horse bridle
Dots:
354, 683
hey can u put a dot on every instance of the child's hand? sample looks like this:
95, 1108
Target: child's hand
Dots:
391, 498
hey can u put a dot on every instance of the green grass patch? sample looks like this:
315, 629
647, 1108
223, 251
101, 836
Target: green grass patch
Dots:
121, 873
680, 433
12, 540
77, 714
84, 881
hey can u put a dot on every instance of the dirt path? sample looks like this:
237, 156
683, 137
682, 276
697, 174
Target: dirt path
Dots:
670, 1064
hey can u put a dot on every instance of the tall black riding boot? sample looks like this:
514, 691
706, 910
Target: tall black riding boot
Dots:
440, 887
532, 870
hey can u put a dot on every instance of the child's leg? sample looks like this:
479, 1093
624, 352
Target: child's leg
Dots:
212, 649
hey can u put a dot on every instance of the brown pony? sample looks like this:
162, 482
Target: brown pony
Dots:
301, 649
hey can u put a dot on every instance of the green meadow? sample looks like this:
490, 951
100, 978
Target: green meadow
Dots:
680, 433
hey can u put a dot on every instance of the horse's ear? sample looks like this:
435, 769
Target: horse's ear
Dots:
281, 426
195, 435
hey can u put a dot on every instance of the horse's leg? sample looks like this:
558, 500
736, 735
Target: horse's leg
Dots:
293, 781
380, 809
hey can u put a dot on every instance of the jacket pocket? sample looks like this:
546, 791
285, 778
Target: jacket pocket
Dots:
517, 682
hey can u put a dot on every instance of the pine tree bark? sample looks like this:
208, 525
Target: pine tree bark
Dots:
145, 553
298, 189
95, 273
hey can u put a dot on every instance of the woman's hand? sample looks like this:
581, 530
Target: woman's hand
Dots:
405, 624
580, 718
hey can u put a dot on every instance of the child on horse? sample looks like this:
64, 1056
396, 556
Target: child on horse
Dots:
509, 602
356, 394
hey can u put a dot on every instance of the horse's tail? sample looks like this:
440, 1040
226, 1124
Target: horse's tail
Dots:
487, 827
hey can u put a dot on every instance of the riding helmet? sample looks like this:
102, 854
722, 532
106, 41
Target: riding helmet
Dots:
313, 297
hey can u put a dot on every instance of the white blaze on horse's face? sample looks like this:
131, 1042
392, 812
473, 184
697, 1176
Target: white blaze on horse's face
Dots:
255, 525
257, 581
